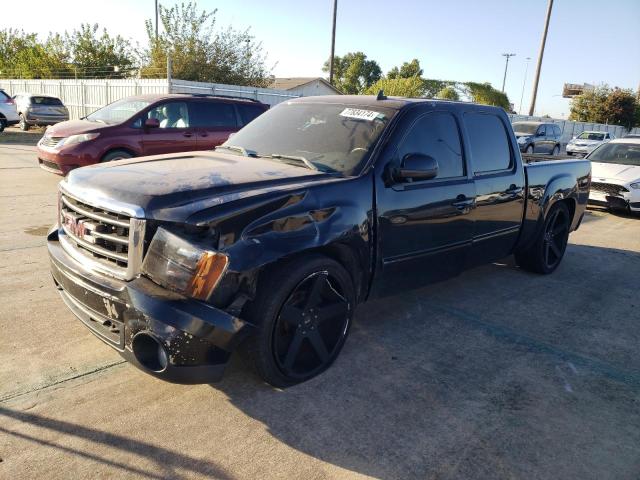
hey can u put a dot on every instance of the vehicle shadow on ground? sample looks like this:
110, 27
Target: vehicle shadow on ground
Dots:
432, 385
593, 210
169, 463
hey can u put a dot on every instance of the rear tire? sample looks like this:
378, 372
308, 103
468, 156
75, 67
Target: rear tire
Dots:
116, 155
303, 312
24, 126
546, 253
555, 151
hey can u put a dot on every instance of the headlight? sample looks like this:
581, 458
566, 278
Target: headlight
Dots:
635, 185
523, 139
178, 265
73, 139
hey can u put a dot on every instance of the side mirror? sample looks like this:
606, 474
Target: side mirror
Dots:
416, 166
151, 123
540, 134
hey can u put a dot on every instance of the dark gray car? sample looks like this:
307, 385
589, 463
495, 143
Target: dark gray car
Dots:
35, 109
538, 137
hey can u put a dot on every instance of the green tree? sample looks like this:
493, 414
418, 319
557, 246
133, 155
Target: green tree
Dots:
201, 52
485, 94
412, 87
353, 73
605, 105
23, 56
96, 54
407, 70
448, 93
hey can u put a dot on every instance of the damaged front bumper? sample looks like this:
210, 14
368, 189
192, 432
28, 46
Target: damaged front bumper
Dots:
172, 337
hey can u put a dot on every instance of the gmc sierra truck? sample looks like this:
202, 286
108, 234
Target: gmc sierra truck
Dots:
269, 243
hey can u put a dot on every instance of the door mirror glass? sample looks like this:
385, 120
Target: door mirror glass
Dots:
416, 166
540, 133
152, 123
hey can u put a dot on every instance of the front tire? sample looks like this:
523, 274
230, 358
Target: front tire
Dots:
24, 126
546, 253
3, 124
116, 155
303, 311
529, 149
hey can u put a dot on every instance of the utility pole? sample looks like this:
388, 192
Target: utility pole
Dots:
524, 82
506, 66
540, 55
156, 20
333, 41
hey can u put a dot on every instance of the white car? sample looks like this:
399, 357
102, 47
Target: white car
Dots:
8, 111
615, 175
587, 142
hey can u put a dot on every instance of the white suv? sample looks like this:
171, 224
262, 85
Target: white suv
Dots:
8, 111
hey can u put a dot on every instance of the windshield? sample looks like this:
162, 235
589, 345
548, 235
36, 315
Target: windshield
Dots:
620, 153
591, 136
332, 138
521, 127
117, 112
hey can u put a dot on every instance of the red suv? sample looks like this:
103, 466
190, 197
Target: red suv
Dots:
145, 125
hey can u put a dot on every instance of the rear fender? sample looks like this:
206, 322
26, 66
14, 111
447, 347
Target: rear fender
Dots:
540, 200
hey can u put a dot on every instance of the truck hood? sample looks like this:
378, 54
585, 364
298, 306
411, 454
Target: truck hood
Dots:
74, 127
614, 171
173, 187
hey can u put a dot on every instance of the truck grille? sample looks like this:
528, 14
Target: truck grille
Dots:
51, 142
608, 188
102, 236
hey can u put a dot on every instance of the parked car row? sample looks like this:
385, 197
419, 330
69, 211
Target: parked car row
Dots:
28, 110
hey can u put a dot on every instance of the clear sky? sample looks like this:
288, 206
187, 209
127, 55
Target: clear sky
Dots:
593, 41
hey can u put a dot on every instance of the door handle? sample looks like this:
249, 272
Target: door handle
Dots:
187, 134
463, 203
204, 134
513, 190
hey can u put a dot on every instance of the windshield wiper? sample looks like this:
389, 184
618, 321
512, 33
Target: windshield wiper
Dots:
234, 148
301, 160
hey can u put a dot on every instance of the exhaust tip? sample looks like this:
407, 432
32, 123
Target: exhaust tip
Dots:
149, 352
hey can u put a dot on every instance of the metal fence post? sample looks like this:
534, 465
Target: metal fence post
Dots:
82, 99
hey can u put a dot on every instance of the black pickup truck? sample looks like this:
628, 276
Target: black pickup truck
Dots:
270, 242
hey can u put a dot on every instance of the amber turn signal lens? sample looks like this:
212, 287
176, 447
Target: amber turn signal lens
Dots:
209, 270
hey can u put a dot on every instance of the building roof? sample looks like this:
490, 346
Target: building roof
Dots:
294, 82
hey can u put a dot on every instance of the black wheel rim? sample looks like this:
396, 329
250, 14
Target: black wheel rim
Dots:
555, 238
311, 326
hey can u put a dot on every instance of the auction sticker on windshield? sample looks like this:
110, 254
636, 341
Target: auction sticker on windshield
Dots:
368, 115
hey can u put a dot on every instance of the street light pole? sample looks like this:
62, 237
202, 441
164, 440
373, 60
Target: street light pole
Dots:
540, 55
524, 82
333, 41
506, 66
156, 20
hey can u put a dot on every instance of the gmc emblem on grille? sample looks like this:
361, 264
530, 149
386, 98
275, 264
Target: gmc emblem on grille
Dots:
74, 225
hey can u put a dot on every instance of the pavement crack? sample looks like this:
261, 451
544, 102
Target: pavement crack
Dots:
87, 373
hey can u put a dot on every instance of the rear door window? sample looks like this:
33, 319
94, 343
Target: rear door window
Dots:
556, 131
214, 115
488, 143
248, 112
